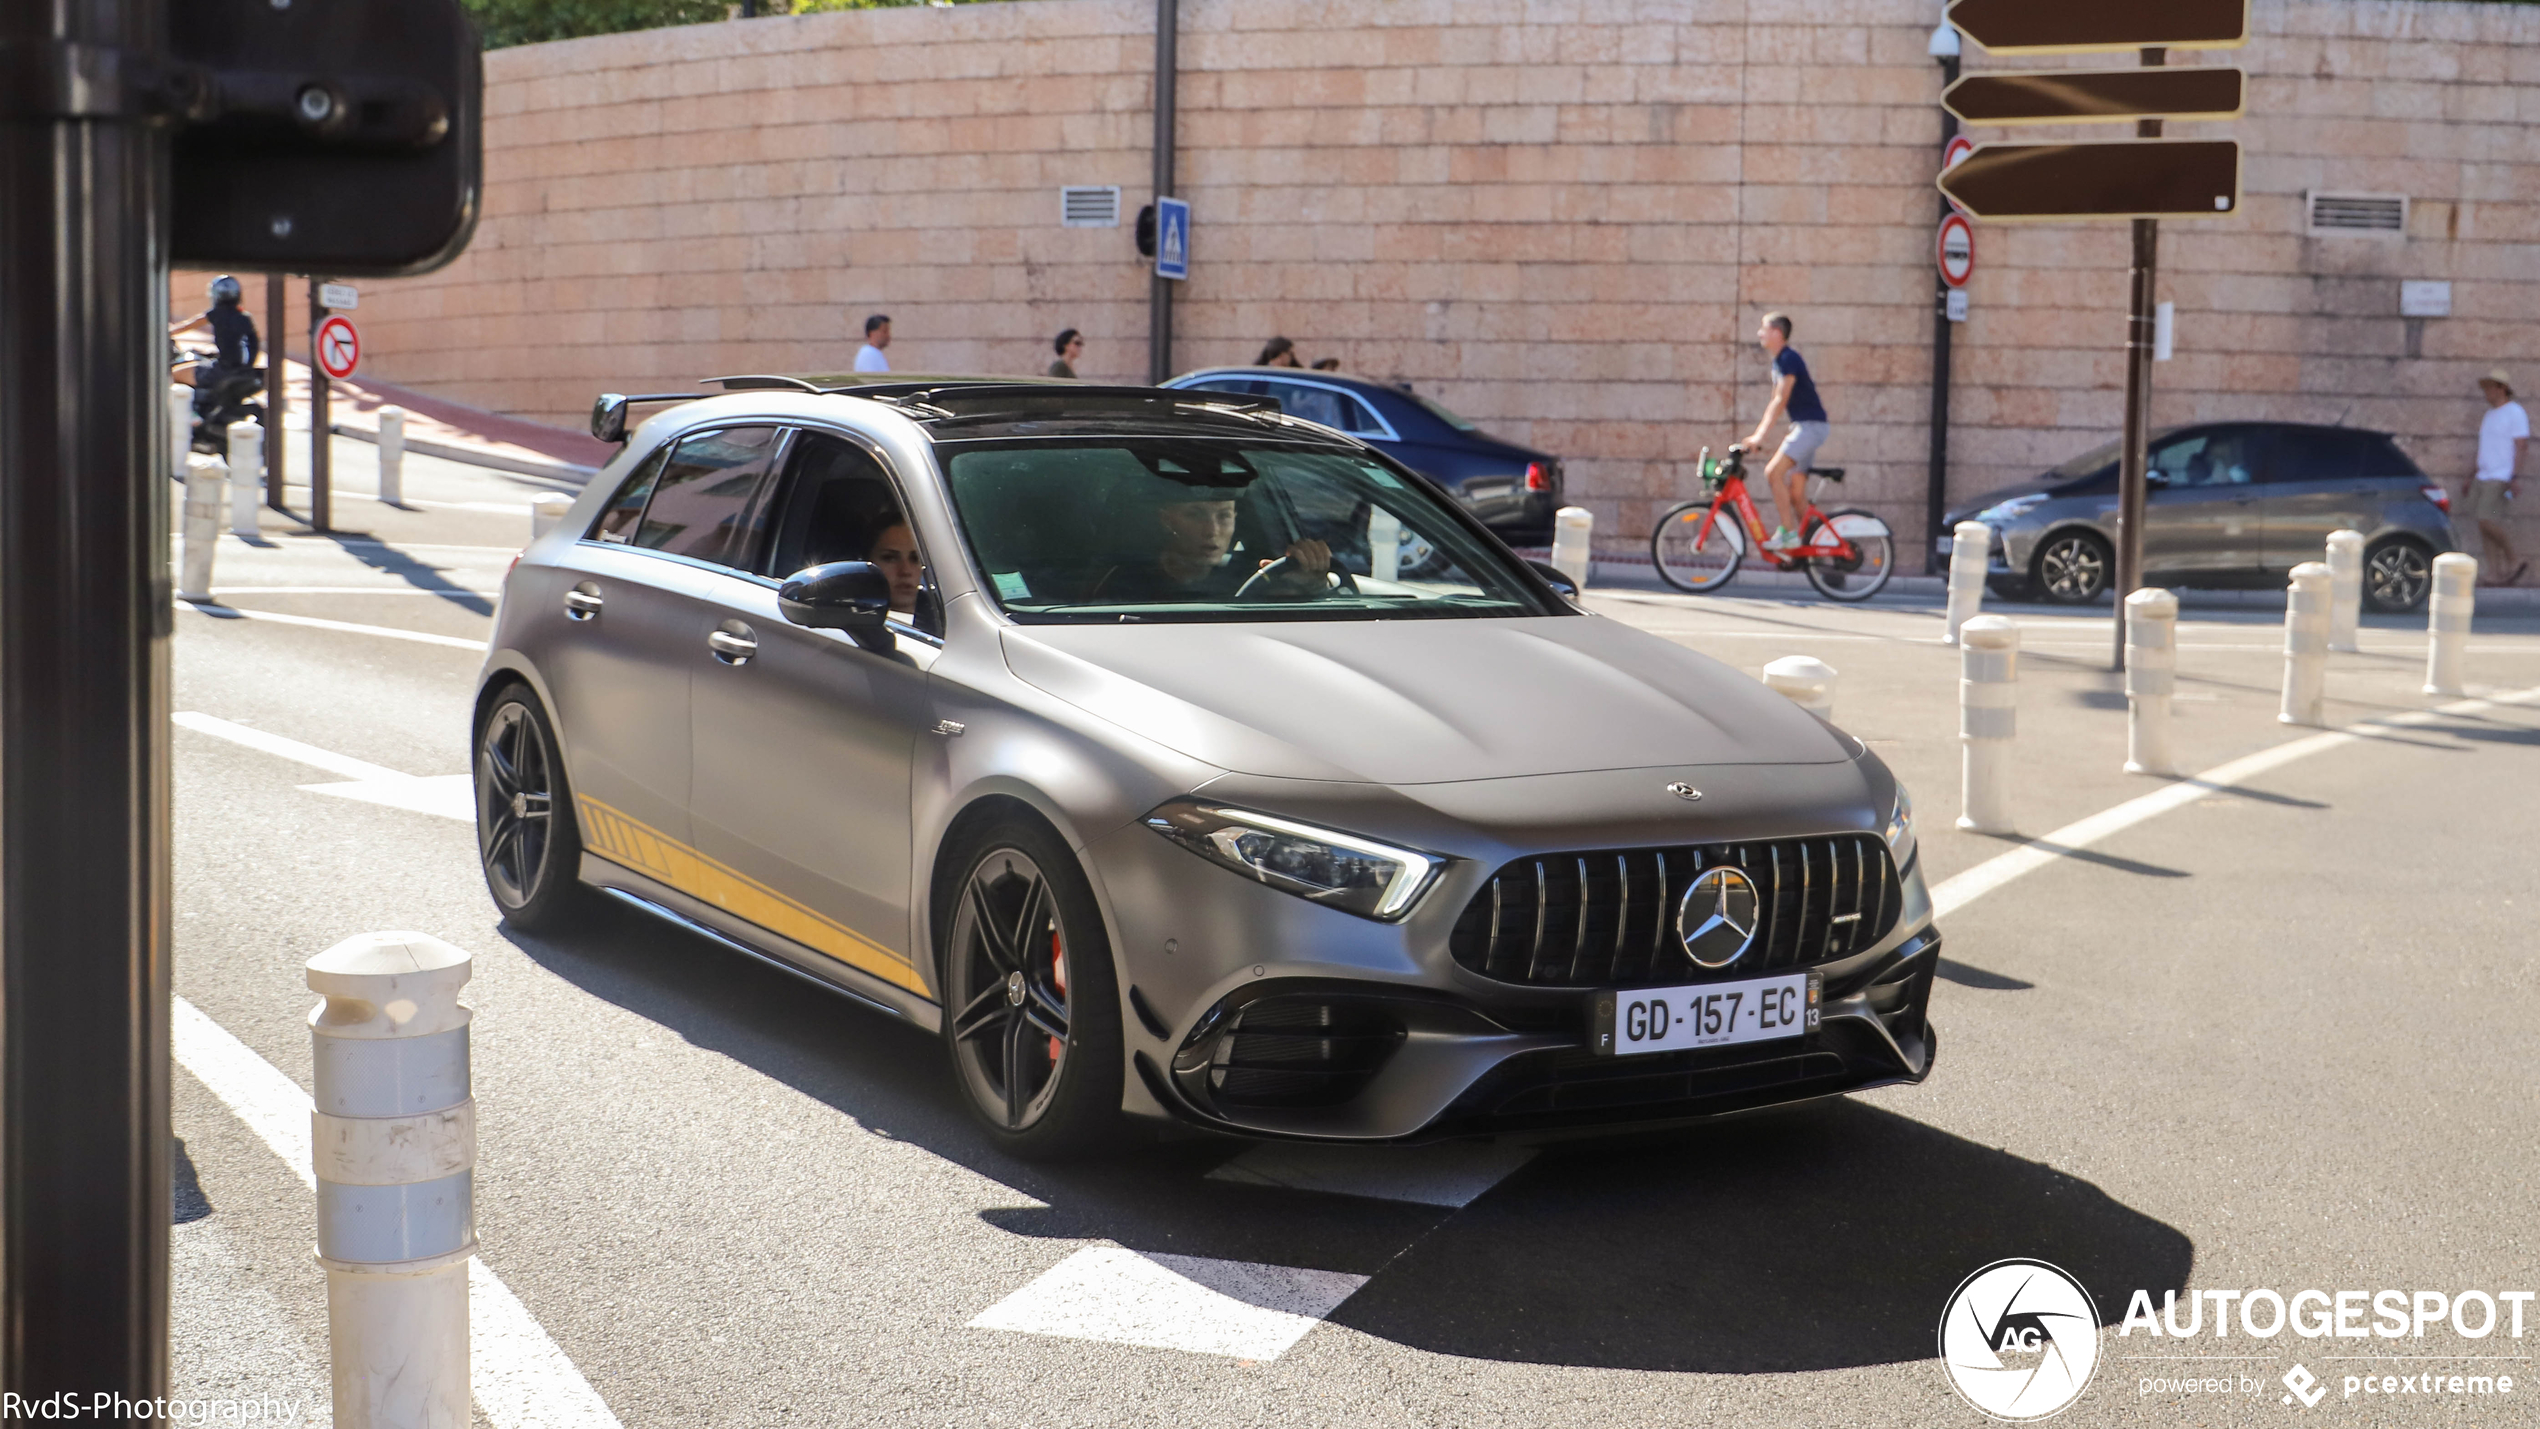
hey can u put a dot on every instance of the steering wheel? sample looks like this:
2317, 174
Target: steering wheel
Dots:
1254, 581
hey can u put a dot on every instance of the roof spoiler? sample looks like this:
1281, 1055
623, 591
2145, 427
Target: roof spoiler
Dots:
608, 414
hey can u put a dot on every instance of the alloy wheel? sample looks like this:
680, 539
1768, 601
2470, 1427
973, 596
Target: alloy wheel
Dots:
2072, 569
2398, 576
515, 797
1009, 984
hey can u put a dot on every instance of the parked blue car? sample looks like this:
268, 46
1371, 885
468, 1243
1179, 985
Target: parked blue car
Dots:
1512, 489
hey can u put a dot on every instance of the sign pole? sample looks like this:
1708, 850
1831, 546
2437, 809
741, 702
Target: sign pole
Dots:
2133, 486
321, 441
277, 388
1159, 287
84, 877
1936, 485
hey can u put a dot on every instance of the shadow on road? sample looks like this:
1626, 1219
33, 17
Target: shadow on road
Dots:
1824, 1237
423, 575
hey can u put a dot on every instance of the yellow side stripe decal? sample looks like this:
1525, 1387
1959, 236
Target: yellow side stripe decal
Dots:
619, 839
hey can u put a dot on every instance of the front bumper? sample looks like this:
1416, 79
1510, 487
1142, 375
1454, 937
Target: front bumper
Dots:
1254, 1012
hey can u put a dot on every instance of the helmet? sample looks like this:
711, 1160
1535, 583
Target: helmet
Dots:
225, 290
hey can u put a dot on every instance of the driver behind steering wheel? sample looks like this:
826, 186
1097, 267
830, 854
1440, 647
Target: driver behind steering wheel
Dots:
1195, 561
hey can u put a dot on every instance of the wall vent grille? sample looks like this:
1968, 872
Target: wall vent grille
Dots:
2385, 215
1089, 207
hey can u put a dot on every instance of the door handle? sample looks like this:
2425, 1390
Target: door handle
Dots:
583, 602
733, 643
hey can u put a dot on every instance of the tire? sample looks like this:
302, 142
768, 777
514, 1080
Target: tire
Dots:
2017, 588
1849, 580
1691, 558
1034, 1038
2398, 574
526, 841
2072, 568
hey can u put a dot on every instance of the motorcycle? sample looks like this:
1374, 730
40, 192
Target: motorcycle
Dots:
221, 396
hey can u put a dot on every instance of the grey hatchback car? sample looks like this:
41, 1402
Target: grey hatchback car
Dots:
2231, 504
1101, 732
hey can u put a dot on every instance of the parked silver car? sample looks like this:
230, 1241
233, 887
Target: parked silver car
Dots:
1101, 731
2231, 504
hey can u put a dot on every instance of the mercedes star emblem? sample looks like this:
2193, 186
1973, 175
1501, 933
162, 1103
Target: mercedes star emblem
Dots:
1717, 917
1683, 790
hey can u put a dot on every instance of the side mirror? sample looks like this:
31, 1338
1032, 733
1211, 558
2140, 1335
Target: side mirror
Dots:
1557, 578
608, 418
842, 595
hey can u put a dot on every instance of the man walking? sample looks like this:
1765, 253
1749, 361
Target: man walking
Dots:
1794, 396
877, 336
2502, 434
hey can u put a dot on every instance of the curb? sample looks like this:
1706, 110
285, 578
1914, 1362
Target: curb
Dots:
562, 472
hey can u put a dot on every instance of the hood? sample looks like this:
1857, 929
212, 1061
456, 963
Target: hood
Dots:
1419, 701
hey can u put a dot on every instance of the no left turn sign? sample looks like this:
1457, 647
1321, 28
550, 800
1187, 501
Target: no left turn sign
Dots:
339, 348
1957, 250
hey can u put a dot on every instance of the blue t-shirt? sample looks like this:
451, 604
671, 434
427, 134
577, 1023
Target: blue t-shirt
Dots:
1804, 406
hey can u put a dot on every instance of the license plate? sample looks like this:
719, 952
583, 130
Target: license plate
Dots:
1944, 543
1718, 1014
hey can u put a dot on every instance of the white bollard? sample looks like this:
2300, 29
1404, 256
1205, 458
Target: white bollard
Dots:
180, 427
2447, 621
206, 477
1988, 716
1384, 544
392, 455
2306, 645
2151, 677
2345, 589
1571, 528
393, 1142
1807, 682
246, 476
1970, 551
545, 510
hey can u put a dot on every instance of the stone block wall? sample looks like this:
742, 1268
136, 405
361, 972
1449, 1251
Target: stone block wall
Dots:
1560, 217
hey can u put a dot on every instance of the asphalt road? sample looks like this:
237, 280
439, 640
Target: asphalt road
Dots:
2277, 1038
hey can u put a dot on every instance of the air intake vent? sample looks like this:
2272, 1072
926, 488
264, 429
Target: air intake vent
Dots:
1089, 207
2381, 214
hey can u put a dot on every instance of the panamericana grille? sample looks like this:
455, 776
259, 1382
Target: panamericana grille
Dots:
1608, 916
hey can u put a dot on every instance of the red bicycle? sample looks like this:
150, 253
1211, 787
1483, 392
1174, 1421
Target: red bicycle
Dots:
1847, 554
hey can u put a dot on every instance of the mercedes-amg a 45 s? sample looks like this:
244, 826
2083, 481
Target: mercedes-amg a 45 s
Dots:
1104, 732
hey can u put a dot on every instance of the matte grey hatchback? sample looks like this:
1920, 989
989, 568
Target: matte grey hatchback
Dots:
1102, 731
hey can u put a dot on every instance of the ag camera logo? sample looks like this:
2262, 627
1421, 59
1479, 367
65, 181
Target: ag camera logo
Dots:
2019, 1339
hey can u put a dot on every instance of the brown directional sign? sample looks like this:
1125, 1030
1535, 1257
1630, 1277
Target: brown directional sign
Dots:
2076, 26
2149, 178
2092, 96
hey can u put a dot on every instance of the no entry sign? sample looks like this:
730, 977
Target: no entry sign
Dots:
1957, 250
339, 348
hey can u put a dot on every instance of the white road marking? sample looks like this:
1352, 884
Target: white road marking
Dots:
1451, 1174
314, 623
1965, 887
1174, 1302
451, 796
520, 1378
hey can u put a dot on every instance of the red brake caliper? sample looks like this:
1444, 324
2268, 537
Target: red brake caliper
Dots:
1058, 980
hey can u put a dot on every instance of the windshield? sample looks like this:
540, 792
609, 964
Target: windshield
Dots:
1173, 529
2088, 462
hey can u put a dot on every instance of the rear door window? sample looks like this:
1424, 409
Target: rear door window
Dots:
2322, 454
711, 501
1327, 406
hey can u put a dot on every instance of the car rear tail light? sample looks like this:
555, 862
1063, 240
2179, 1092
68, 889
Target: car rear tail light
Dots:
2442, 499
1538, 476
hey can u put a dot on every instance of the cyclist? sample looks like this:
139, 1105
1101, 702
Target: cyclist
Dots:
1795, 397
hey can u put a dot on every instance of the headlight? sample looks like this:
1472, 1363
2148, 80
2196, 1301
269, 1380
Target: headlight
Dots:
2002, 511
1344, 871
1900, 829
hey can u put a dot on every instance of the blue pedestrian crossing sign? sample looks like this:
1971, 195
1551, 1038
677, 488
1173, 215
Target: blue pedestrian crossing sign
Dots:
1172, 238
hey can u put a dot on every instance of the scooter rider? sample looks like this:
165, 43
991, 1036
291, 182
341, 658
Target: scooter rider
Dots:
234, 346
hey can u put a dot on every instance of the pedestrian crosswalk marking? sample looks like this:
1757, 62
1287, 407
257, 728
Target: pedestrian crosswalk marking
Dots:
1174, 1302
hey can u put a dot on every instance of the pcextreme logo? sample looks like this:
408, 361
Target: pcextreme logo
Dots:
2020, 1339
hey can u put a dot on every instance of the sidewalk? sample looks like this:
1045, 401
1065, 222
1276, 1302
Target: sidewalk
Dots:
452, 430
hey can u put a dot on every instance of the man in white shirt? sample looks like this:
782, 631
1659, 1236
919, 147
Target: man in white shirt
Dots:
2485, 503
877, 336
